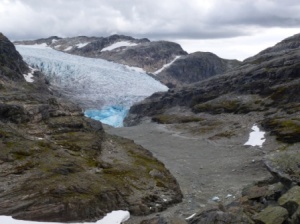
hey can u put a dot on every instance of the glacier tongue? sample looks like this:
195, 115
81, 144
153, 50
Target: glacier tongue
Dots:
92, 83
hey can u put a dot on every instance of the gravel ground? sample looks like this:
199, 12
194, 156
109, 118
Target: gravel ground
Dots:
206, 163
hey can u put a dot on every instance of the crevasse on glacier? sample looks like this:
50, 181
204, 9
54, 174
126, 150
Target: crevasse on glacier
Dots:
107, 89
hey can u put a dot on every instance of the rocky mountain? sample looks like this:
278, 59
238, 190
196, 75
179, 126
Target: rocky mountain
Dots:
169, 63
57, 165
141, 53
264, 87
11, 64
193, 68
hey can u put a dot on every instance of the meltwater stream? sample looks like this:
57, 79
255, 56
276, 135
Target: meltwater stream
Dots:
105, 90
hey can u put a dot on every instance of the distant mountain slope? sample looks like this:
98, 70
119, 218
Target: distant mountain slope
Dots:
141, 53
193, 68
265, 82
151, 56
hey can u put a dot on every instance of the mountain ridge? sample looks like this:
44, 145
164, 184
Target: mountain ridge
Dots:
150, 56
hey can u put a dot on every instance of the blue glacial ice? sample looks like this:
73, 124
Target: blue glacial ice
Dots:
104, 90
108, 115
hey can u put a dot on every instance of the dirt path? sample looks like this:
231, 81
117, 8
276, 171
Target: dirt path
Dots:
205, 167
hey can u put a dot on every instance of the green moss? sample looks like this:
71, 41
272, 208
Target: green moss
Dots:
227, 106
286, 130
22, 168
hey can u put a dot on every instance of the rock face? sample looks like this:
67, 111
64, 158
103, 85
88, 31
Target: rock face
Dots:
11, 62
193, 68
150, 56
57, 165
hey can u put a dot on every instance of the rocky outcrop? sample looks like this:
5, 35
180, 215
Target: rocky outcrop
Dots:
193, 68
57, 165
150, 56
12, 65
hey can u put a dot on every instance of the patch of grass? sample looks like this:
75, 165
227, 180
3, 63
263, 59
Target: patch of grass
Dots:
227, 106
286, 130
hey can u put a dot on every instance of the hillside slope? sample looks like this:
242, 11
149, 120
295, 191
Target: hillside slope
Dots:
57, 165
264, 89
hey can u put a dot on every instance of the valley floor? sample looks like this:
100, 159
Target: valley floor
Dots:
207, 162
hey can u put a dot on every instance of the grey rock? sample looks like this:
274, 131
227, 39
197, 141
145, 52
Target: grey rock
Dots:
290, 200
193, 68
271, 215
220, 217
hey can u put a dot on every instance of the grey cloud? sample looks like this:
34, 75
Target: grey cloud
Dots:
154, 19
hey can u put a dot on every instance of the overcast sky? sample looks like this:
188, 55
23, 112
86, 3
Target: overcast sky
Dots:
229, 28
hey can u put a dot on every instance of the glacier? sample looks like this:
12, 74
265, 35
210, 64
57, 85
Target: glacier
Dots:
104, 90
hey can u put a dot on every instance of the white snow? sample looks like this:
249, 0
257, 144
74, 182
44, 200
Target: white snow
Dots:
190, 216
166, 65
114, 217
39, 46
92, 83
256, 137
57, 46
216, 198
53, 41
228, 195
137, 69
119, 44
81, 45
68, 48
29, 77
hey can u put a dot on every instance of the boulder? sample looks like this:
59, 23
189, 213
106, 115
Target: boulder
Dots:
271, 215
220, 217
290, 200
284, 166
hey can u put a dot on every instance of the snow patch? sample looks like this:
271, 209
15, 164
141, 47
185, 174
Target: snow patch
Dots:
166, 65
190, 216
216, 198
53, 41
119, 44
29, 77
37, 46
114, 217
68, 48
256, 138
81, 45
57, 46
136, 69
